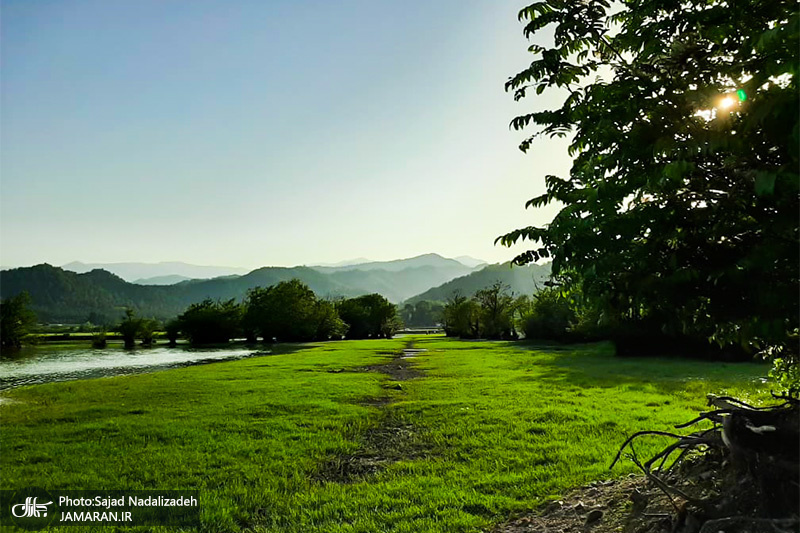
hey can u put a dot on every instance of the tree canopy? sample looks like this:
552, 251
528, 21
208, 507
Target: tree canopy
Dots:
370, 315
290, 312
681, 205
210, 321
16, 318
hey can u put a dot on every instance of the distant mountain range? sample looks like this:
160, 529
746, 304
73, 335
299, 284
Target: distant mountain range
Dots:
143, 272
436, 261
347, 262
61, 295
520, 280
470, 261
170, 279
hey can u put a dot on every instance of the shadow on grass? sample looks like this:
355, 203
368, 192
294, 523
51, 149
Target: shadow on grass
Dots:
596, 366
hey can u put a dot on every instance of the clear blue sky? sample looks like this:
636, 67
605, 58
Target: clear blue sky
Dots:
249, 133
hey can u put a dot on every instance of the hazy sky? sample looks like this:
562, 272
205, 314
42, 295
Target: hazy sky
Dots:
250, 133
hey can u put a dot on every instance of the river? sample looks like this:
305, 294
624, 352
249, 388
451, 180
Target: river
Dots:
46, 363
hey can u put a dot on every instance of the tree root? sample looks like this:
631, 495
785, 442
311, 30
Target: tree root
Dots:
759, 446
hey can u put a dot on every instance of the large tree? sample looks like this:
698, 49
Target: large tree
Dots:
371, 315
681, 205
16, 319
210, 322
290, 312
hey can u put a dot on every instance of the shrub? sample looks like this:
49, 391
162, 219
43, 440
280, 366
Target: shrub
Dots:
550, 316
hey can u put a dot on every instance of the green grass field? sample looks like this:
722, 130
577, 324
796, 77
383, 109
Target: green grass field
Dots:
310, 441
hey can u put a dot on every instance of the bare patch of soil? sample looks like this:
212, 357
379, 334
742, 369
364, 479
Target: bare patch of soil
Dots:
636, 505
378, 402
392, 439
601, 507
401, 367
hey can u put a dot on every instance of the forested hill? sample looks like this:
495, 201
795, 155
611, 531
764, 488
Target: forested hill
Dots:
59, 295
62, 296
520, 279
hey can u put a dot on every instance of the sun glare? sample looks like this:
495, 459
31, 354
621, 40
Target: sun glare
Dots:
727, 102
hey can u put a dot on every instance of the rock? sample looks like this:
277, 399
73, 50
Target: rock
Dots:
579, 508
593, 516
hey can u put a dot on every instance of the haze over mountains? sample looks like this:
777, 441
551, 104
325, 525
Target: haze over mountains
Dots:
142, 272
101, 296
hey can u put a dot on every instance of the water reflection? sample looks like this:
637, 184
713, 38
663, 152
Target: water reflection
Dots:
42, 364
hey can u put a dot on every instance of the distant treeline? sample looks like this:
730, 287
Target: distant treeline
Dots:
286, 312
555, 314
100, 297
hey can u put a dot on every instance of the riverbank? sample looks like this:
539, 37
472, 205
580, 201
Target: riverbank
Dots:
68, 361
460, 437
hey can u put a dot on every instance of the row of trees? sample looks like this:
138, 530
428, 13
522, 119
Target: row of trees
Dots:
286, 312
565, 314
492, 313
496, 313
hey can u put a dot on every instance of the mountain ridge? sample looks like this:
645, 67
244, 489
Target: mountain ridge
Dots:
100, 296
132, 271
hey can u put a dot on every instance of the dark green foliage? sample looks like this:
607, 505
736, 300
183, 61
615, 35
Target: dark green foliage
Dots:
173, 331
550, 316
129, 328
369, 316
16, 318
211, 321
97, 296
496, 312
133, 327
490, 314
462, 317
329, 324
147, 329
678, 211
99, 339
422, 314
290, 312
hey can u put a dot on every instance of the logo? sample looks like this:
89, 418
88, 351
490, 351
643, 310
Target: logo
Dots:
30, 509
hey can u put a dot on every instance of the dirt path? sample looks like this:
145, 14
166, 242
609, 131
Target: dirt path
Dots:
393, 438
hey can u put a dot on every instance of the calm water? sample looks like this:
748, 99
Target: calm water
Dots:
42, 364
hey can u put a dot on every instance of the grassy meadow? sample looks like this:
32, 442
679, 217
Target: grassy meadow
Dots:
315, 440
